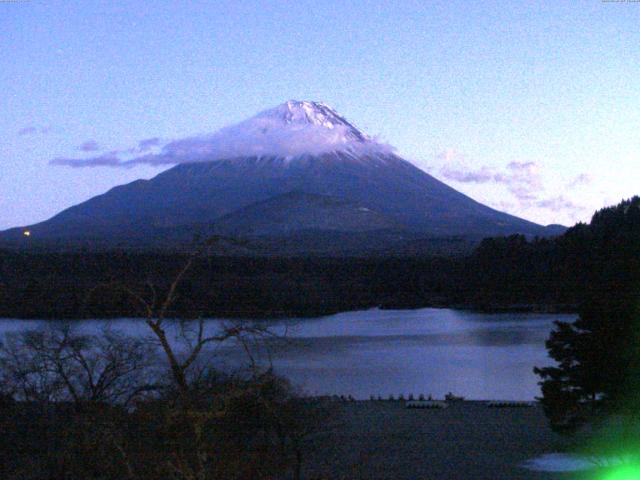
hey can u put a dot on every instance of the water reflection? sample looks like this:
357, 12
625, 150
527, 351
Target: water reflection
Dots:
375, 352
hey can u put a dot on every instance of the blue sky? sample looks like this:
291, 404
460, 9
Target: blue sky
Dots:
530, 107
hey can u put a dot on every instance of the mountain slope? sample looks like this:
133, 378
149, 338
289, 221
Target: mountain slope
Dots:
298, 212
345, 171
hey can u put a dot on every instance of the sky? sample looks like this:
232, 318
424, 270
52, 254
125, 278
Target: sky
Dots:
530, 107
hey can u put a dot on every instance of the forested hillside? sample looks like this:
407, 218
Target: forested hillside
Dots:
502, 273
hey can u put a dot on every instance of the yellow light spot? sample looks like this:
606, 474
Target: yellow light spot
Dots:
27, 233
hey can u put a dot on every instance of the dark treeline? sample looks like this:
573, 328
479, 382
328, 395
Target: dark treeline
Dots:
502, 273
71, 285
597, 374
588, 260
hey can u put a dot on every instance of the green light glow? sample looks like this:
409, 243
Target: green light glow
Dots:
623, 472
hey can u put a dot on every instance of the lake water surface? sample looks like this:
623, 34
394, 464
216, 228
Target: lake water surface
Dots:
391, 352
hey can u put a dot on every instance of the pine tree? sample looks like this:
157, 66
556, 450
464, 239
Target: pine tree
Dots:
598, 355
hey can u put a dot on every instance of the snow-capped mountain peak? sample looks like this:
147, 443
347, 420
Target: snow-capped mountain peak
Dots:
289, 131
302, 113
292, 129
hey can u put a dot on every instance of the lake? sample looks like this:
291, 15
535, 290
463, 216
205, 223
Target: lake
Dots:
391, 352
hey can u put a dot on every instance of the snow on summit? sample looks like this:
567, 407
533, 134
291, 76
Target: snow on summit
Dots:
298, 114
292, 129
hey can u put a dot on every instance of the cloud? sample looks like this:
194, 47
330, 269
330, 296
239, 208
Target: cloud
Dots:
89, 146
32, 130
523, 193
482, 175
451, 155
125, 158
110, 159
561, 204
147, 144
260, 136
522, 179
27, 131
582, 179
455, 168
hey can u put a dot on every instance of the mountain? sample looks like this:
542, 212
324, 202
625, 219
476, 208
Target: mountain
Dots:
299, 168
296, 212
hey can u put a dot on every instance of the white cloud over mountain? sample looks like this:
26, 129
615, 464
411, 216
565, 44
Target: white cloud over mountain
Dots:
289, 130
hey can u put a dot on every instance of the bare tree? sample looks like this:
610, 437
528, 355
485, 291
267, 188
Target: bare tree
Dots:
195, 451
198, 424
58, 363
155, 308
77, 388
